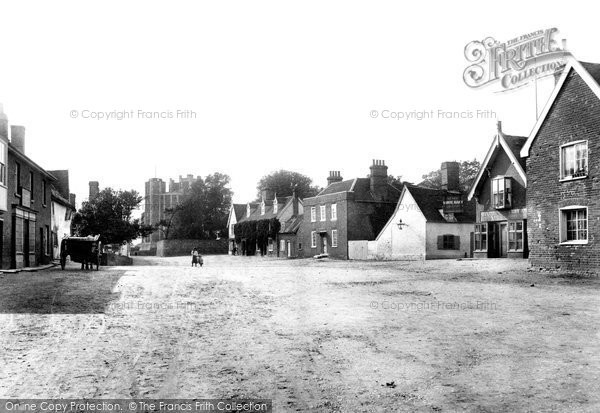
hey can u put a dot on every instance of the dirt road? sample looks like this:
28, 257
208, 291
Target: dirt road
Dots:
311, 335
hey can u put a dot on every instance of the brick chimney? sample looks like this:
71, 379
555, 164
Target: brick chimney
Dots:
17, 137
94, 189
295, 208
450, 176
3, 123
267, 194
334, 176
378, 179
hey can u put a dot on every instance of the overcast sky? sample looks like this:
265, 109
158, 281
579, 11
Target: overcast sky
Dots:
274, 85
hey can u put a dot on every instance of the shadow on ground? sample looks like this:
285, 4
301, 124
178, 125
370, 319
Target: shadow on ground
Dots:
54, 291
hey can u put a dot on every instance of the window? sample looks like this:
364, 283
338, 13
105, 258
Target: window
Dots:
313, 214
448, 242
574, 160
334, 238
275, 207
247, 210
334, 212
313, 239
262, 208
300, 246
231, 229
481, 237
31, 182
515, 236
501, 192
44, 197
323, 212
573, 225
282, 245
3, 163
270, 245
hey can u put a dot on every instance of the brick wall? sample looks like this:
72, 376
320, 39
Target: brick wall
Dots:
574, 116
180, 247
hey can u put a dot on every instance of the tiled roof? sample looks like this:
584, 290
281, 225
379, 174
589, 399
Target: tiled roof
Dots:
60, 199
430, 201
239, 210
336, 187
593, 69
361, 188
515, 144
292, 225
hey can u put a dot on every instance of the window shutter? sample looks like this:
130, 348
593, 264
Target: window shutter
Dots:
440, 242
456, 242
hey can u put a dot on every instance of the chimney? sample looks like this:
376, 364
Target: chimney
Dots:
378, 178
295, 208
334, 176
267, 194
17, 137
72, 199
94, 190
3, 123
450, 176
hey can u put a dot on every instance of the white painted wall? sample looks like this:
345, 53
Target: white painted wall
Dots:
61, 225
407, 243
434, 229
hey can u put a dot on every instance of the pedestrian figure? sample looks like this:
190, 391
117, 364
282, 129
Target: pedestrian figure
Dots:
195, 256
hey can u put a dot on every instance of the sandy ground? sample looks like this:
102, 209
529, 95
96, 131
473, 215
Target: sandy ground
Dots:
312, 335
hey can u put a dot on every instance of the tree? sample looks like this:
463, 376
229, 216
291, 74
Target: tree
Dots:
203, 212
109, 215
466, 175
164, 225
283, 182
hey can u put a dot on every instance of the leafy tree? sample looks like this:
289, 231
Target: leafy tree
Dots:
283, 182
466, 175
109, 215
203, 212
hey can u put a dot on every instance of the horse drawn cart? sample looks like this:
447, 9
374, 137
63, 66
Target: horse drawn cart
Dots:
86, 250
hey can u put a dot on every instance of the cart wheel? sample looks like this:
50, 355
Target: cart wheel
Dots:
63, 262
97, 264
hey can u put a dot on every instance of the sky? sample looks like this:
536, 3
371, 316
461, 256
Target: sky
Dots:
273, 85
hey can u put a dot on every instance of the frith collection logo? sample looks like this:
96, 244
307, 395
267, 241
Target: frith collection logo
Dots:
516, 62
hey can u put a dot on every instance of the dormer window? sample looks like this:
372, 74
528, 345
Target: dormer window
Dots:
501, 193
262, 208
574, 160
275, 206
247, 210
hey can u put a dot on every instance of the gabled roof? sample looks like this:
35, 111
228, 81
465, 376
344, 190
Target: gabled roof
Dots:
589, 72
512, 147
56, 196
239, 210
430, 201
335, 187
291, 225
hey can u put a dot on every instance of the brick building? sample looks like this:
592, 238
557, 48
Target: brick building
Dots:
25, 203
63, 208
157, 198
346, 210
500, 192
563, 167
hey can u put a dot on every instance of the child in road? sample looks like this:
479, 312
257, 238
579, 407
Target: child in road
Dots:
195, 257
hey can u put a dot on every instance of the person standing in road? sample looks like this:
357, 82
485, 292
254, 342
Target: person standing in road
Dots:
195, 257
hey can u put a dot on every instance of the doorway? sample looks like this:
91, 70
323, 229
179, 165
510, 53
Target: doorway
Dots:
503, 239
324, 243
26, 243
